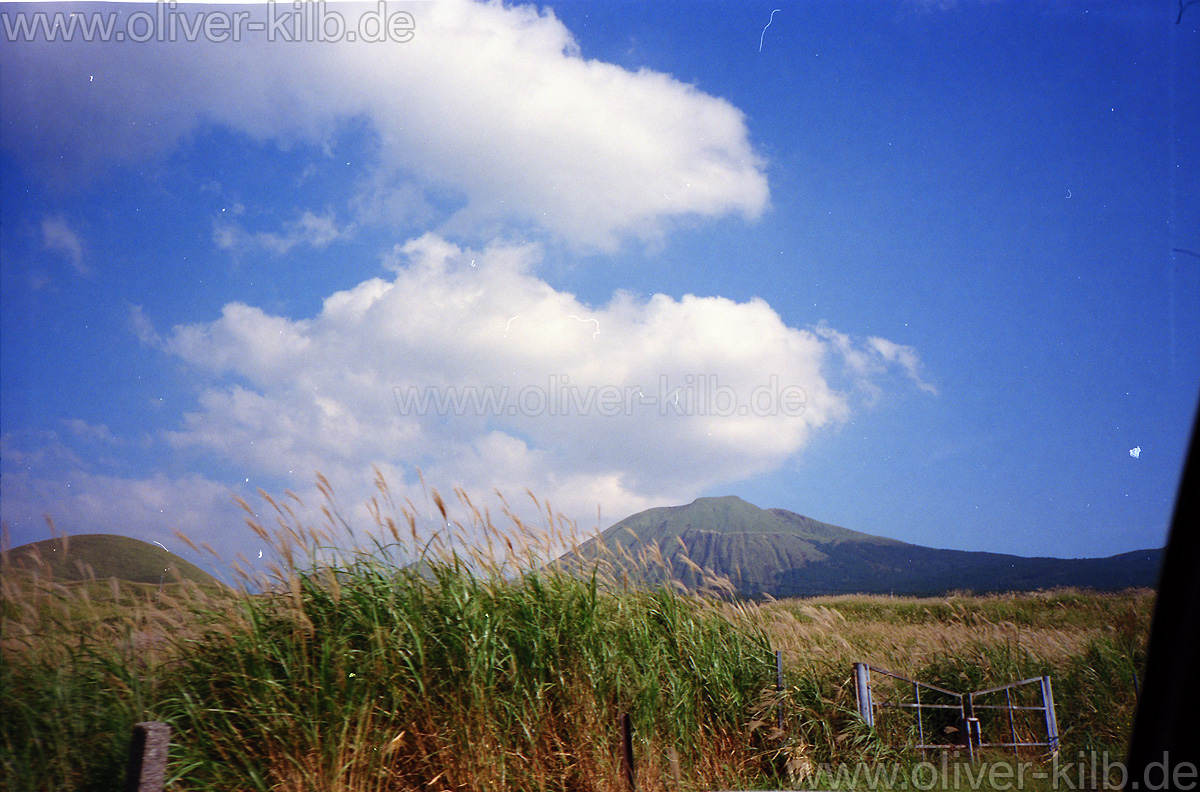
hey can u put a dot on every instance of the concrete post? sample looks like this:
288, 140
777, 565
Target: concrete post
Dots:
147, 767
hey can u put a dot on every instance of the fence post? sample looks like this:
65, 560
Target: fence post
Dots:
862, 692
147, 767
627, 751
1051, 719
969, 724
920, 723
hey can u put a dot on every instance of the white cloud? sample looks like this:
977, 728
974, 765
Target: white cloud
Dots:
309, 229
617, 407
493, 102
58, 236
863, 365
905, 356
634, 403
88, 431
143, 328
151, 508
29, 449
670, 397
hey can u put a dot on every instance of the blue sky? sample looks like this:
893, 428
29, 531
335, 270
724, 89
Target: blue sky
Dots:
925, 270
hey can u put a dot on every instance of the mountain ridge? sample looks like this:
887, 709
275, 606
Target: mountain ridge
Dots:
779, 553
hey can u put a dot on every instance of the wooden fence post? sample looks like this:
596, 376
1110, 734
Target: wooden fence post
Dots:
626, 728
147, 767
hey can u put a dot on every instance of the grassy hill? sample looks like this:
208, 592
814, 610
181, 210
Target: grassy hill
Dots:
783, 554
103, 556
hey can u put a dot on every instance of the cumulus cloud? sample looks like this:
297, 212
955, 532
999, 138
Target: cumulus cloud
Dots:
461, 360
466, 363
491, 101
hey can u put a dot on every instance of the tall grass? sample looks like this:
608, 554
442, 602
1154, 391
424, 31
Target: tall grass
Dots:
415, 665
411, 681
80, 665
461, 660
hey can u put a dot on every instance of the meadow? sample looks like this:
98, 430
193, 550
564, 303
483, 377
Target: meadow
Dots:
416, 666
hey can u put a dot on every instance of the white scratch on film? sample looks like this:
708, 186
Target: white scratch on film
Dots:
597, 321
160, 544
764, 30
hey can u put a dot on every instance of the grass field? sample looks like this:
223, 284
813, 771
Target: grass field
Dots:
469, 673
1092, 645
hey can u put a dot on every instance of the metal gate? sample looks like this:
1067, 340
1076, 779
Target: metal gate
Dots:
923, 716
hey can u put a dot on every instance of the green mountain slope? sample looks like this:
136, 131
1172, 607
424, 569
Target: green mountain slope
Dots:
105, 556
783, 554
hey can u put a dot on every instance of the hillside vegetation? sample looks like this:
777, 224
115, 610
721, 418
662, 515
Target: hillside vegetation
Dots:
101, 556
359, 672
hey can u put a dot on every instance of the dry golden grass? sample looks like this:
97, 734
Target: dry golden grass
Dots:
905, 634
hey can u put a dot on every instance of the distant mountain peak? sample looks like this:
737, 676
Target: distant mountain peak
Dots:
781, 553
719, 499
